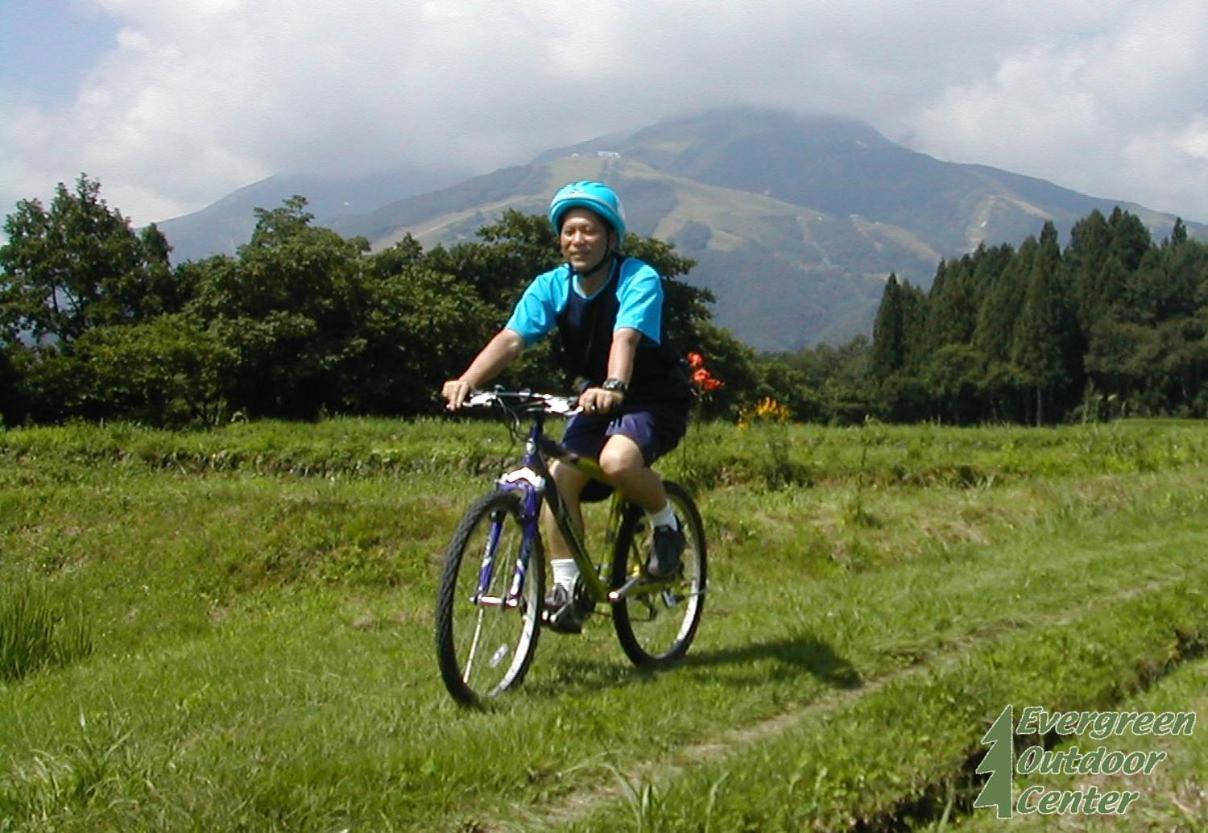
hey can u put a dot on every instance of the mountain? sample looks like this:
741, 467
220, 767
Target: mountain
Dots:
224, 226
794, 221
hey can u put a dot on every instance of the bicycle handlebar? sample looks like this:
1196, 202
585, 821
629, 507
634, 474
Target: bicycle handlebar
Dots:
525, 401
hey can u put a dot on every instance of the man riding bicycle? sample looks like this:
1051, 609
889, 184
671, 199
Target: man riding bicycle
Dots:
608, 312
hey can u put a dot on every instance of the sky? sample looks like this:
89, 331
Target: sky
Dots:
172, 104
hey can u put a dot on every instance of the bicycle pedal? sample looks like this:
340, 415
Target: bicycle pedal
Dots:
567, 620
628, 587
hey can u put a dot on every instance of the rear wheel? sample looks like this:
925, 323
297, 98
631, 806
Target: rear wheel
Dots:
656, 623
484, 639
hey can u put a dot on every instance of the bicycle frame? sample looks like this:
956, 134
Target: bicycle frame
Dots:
533, 482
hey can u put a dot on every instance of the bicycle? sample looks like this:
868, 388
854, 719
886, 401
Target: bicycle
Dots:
491, 594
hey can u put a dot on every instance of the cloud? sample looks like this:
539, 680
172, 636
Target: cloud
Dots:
1118, 113
195, 99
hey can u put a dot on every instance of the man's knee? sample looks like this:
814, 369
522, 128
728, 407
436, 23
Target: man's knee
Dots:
569, 479
620, 455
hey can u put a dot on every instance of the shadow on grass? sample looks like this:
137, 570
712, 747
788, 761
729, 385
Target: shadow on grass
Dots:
581, 676
800, 655
742, 666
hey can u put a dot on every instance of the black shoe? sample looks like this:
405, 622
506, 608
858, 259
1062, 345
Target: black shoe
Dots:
564, 613
669, 544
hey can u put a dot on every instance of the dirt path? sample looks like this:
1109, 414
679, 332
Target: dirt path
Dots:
657, 773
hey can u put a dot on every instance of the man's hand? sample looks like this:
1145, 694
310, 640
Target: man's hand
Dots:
455, 393
600, 401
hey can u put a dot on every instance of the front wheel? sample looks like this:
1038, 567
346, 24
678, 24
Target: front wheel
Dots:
485, 636
656, 623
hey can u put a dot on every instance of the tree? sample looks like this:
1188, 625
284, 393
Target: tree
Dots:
736, 365
841, 379
788, 385
13, 408
1178, 234
952, 379
1086, 258
419, 327
167, 371
989, 263
291, 306
997, 316
1165, 284
79, 265
508, 254
1130, 239
914, 317
1045, 346
889, 332
951, 313
1120, 361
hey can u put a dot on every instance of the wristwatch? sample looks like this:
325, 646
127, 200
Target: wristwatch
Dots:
615, 385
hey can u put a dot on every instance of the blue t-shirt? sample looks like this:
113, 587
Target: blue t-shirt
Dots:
639, 293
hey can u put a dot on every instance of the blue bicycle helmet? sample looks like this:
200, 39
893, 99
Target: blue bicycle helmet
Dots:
594, 196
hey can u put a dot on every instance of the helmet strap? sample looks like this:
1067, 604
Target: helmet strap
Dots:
606, 261
600, 264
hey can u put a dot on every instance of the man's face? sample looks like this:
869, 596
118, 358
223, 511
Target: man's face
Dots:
584, 239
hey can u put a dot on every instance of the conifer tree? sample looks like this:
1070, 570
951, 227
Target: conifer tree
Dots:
988, 266
1178, 234
914, 319
1086, 257
1107, 295
996, 318
1130, 238
889, 332
1045, 346
951, 314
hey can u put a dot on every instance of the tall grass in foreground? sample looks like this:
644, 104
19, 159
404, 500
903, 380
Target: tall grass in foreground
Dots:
37, 630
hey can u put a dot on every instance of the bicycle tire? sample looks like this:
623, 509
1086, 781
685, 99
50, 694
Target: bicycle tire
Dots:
474, 639
656, 630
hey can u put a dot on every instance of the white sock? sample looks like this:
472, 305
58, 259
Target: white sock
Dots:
566, 572
664, 517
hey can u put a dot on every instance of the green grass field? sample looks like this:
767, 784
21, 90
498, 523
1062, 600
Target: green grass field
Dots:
236, 631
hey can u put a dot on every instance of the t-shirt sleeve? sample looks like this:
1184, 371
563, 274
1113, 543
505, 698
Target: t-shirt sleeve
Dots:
536, 312
641, 302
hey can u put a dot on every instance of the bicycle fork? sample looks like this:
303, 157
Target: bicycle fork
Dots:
521, 482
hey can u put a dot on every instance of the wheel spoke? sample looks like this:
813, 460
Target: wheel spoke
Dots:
473, 648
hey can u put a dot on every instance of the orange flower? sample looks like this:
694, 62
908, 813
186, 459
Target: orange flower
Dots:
702, 379
706, 381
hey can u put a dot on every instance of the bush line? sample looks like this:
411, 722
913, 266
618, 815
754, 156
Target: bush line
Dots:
714, 454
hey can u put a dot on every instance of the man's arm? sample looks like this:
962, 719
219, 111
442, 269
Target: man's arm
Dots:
489, 363
620, 366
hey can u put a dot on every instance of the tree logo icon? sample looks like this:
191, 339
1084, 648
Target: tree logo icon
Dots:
999, 763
